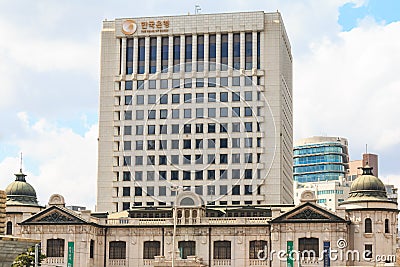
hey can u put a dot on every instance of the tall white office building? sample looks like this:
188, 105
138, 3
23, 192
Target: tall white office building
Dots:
196, 102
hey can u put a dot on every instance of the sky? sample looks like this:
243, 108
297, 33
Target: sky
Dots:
346, 81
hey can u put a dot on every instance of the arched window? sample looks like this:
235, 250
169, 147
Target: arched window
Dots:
368, 225
55, 248
255, 247
187, 248
387, 229
151, 249
9, 228
117, 250
222, 249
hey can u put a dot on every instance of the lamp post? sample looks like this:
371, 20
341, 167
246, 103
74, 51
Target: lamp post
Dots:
176, 189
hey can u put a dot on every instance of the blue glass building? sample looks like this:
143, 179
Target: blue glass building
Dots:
320, 159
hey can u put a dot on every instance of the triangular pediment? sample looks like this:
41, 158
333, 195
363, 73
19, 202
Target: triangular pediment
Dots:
55, 215
308, 212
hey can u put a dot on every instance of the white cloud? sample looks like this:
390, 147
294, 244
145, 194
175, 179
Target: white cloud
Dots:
353, 86
66, 162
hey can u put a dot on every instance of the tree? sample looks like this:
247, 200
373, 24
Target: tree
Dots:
27, 259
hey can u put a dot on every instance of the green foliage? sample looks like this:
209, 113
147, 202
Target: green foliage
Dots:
27, 259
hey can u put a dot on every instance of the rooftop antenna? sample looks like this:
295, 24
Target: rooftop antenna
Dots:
20, 164
197, 9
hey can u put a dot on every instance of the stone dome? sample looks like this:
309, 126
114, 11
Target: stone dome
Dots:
367, 187
367, 182
20, 192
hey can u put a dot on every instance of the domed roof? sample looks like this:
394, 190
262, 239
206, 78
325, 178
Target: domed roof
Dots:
367, 187
20, 192
367, 182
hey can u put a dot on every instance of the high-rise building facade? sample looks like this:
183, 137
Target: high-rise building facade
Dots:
355, 166
320, 158
197, 102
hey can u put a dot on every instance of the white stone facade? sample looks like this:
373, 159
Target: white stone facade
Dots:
232, 89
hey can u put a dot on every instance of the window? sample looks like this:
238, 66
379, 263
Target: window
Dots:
176, 83
199, 128
186, 248
138, 191
236, 51
55, 248
140, 85
162, 191
151, 114
128, 85
117, 250
223, 97
187, 128
199, 113
223, 81
127, 130
151, 249
236, 190
211, 127
387, 229
211, 174
139, 114
199, 175
188, 53
236, 158
176, 53
152, 84
235, 174
151, 144
223, 174
175, 144
164, 84
309, 244
150, 176
236, 112
224, 52
139, 160
139, 129
223, 128
236, 127
175, 98
235, 96
200, 53
9, 228
163, 129
223, 112
162, 175
126, 176
211, 143
248, 112
368, 225
126, 191
211, 112
236, 81
127, 145
174, 175
223, 158
255, 247
235, 142
164, 99
139, 100
187, 144
187, 98
200, 82
164, 54
128, 115
368, 251
175, 113
248, 50
223, 143
248, 126
175, 128
222, 249
138, 175
199, 143
187, 83
212, 82
141, 56
248, 174
91, 249
223, 189
212, 97
162, 160
248, 190
163, 144
186, 175
248, 95
187, 113
211, 190
212, 51
187, 159
153, 55
248, 142
126, 205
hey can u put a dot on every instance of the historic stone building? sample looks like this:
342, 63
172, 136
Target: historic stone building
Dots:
194, 234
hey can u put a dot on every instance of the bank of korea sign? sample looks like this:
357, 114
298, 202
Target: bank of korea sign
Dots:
130, 26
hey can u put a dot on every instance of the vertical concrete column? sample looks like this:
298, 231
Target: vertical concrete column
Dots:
242, 51
182, 58
147, 54
3, 198
262, 45
158, 66
123, 57
135, 55
218, 51
206, 51
170, 54
194, 53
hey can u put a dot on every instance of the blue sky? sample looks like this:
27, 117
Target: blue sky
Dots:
345, 80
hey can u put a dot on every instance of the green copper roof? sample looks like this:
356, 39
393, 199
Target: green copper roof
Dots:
367, 187
20, 192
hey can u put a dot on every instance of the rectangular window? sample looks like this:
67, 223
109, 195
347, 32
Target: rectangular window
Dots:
248, 174
126, 191
139, 160
212, 51
175, 98
129, 56
128, 85
211, 112
174, 175
212, 82
200, 53
153, 55
175, 144
223, 97
199, 82
188, 53
236, 142
211, 127
164, 54
199, 128
223, 128
128, 100
248, 190
223, 158
176, 53
187, 113
223, 143
211, 158
224, 52
236, 51
151, 249
211, 190
55, 248
258, 51
248, 50
236, 190
187, 83
236, 112
162, 191
211, 143
223, 189
175, 113
141, 55
222, 249
117, 250
199, 175
186, 175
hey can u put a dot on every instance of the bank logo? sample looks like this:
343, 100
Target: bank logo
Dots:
129, 27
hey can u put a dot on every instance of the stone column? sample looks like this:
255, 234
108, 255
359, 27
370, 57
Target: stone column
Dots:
123, 57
